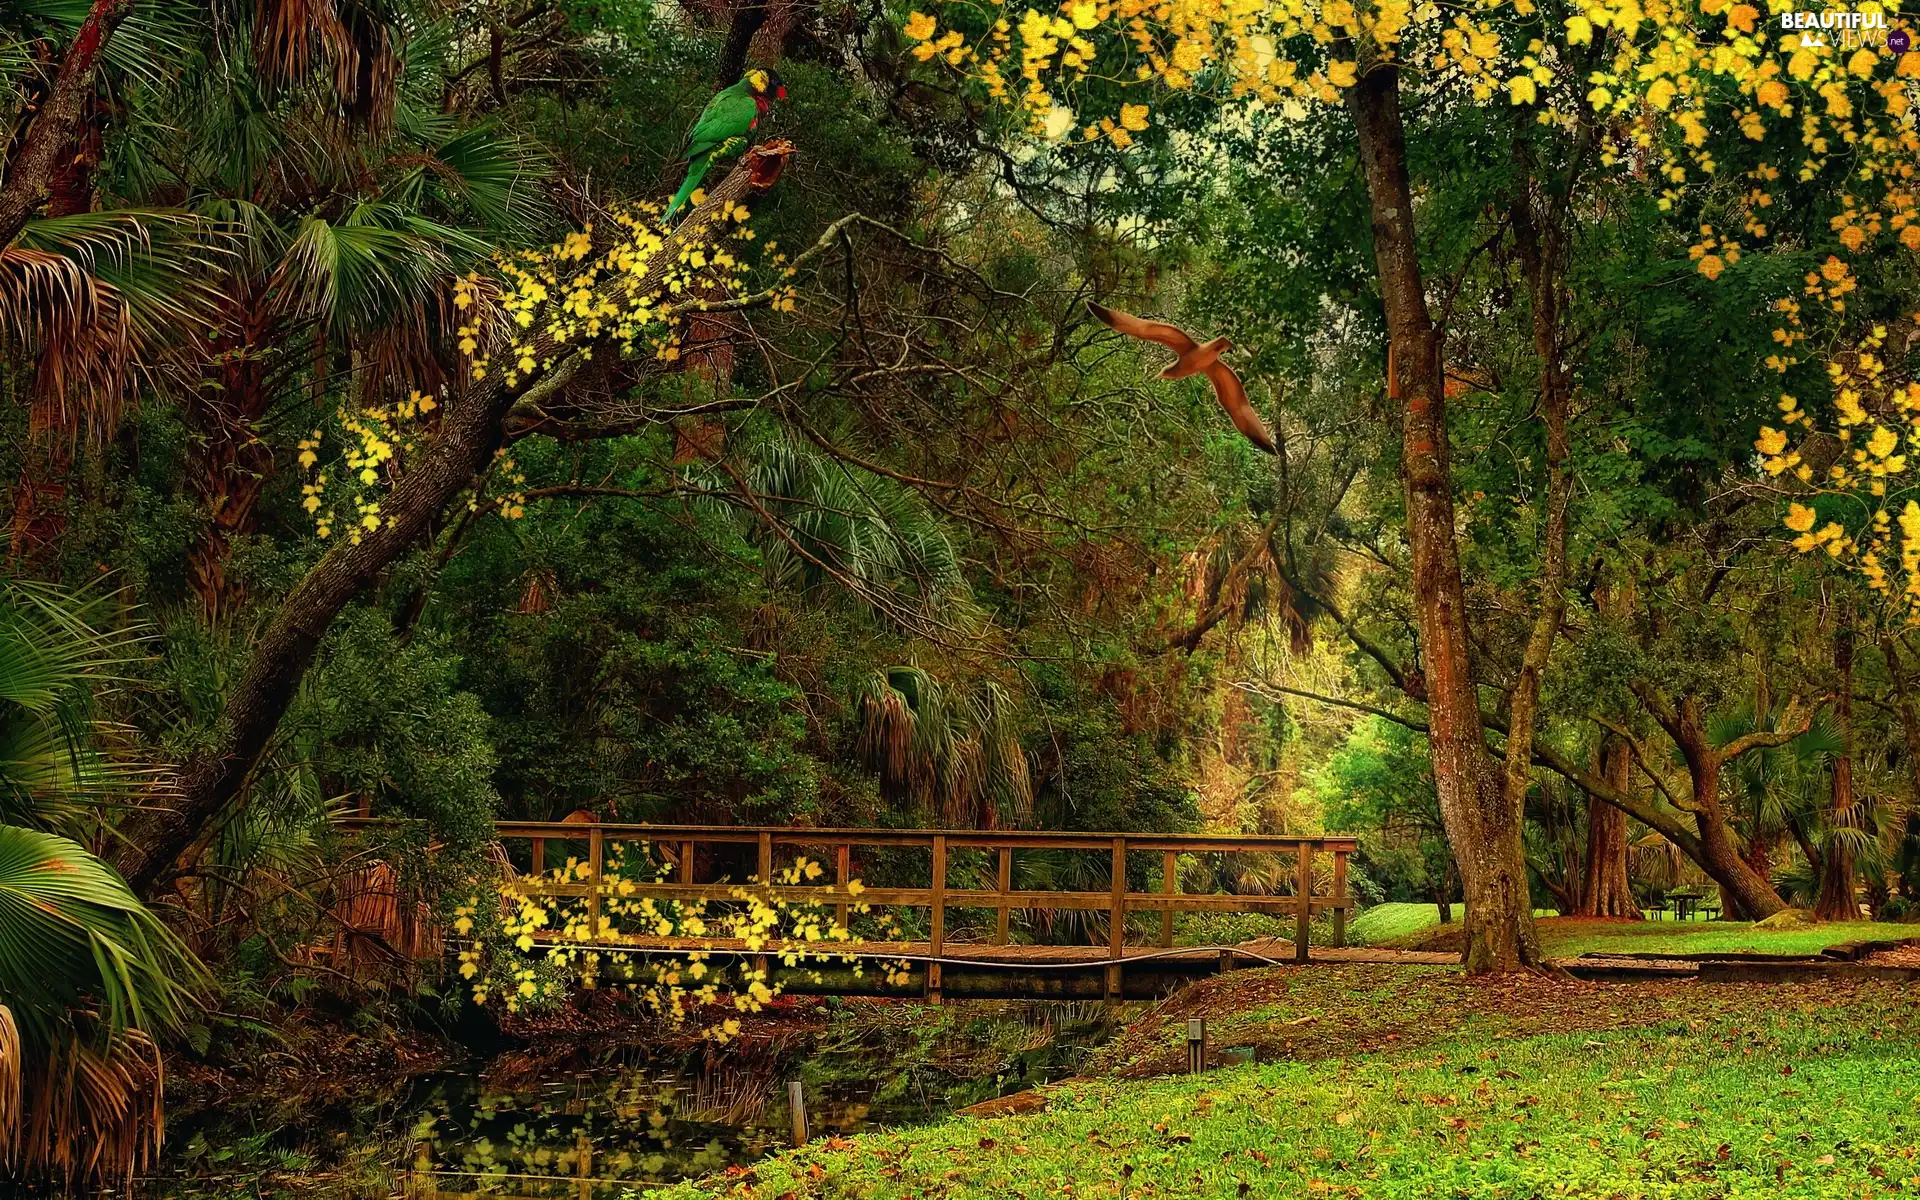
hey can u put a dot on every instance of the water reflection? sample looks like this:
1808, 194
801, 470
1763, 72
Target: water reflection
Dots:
597, 1123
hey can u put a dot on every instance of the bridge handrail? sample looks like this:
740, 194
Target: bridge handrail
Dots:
678, 842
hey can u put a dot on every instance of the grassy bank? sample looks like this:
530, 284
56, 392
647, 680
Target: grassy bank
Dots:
1405, 1082
1418, 927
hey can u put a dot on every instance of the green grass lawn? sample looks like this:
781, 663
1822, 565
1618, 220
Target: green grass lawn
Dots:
1457, 1089
1387, 923
1417, 926
1566, 937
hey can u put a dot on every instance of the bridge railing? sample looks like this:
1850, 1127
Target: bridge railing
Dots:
679, 847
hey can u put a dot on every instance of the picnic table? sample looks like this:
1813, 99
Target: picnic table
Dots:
1685, 903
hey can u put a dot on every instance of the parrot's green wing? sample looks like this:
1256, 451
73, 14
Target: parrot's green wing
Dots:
730, 114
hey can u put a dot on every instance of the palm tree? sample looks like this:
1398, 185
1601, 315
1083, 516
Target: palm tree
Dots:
349, 204
88, 976
955, 752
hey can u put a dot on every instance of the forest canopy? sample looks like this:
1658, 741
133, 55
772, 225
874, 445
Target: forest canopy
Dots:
734, 413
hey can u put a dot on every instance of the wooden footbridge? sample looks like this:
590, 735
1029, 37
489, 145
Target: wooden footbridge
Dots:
708, 863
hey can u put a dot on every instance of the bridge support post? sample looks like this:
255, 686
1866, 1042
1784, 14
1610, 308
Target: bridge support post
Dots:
596, 863
1169, 883
1117, 920
937, 919
1340, 897
765, 859
842, 874
1006, 885
1303, 897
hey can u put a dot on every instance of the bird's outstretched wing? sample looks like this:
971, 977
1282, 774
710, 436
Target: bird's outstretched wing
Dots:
1167, 335
1233, 398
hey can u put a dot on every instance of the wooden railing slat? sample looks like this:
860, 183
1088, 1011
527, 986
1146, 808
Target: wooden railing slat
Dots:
1005, 913
1303, 897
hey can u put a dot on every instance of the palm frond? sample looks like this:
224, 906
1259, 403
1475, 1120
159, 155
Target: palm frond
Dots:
73, 935
151, 38
958, 757
92, 299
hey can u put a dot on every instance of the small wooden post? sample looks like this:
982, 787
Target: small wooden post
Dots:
1196, 1045
1303, 899
1006, 885
1340, 897
539, 857
686, 862
765, 870
842, 875
797, 1110
583, 1167
1117, 919
937, 919
1227, 962
1168, 883
596, 862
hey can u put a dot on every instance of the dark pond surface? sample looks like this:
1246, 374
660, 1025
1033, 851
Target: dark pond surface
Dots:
600, 1121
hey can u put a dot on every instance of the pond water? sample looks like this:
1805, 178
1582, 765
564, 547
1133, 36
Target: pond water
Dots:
599, 1121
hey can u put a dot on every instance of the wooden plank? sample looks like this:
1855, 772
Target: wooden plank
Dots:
1005, 911
1168, 883
539, 866
937, 922
686, 862
1339, 893
1303, 896
596, 863
842, 875
1117, 917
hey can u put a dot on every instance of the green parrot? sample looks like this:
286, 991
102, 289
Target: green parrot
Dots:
724, 125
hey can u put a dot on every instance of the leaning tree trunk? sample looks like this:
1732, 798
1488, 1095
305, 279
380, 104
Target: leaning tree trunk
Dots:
157, 835
1748, 894
1604, 887
1837, 901
1482, 823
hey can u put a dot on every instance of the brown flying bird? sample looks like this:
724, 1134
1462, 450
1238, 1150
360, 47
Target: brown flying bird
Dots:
1195, 358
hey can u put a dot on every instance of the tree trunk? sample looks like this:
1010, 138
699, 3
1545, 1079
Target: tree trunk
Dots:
231, 462
154, 837
1482, 823
748, 17
1748, 894
1837, 901
31, 172
1604, 887
1702, 832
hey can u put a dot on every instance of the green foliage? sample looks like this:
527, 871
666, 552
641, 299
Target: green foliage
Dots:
390, 726
1380, 786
